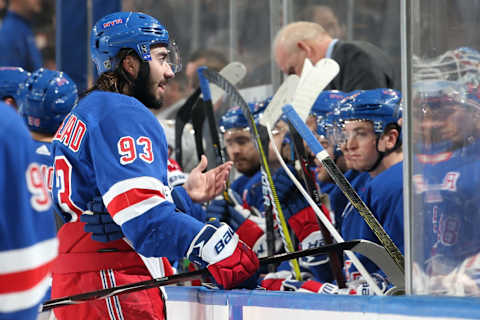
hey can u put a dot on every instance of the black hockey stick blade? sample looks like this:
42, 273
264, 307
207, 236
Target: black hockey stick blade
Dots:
188, 276
182, 118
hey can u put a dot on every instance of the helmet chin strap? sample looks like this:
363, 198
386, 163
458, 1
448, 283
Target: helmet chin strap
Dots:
383, 154
380, 157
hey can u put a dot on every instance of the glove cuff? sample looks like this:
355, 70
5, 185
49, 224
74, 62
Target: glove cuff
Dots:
303, 223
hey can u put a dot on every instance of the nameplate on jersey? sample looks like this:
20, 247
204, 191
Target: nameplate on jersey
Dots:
71, 132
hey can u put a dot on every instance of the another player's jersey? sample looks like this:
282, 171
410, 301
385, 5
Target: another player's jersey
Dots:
43, 156
338, 201
384, 196
447, 189
27, 235
112, 145
250, 189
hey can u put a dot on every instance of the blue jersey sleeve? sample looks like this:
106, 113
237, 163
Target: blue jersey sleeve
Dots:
28, 244
129, 157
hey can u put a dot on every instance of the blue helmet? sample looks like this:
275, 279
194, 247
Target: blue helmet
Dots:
439, 93
11, 80
234, 118
134, 30
45, 100
326, 102
380, 106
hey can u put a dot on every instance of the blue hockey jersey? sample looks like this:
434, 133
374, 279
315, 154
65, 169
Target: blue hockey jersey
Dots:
446, 186
27, 234
112, 145
384, 196
43, 156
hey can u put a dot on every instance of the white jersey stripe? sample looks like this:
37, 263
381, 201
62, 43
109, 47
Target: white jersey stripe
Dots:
17, 301
123, 186
116, 300
137, 209
28, 258
108, 300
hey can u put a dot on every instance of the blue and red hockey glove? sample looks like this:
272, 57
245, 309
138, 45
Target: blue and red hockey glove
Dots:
229, 260
247, 223
300, 217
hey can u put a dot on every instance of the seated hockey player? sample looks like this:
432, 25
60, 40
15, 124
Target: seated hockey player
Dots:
372, 143
324, 126
245, 215
11, 80
28, 244
446, 172
112, 146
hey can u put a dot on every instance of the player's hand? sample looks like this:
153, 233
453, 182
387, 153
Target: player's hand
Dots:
229, 260
203, 187
100, 223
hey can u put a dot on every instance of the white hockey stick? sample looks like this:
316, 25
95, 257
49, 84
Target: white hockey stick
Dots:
234, 72
283, 96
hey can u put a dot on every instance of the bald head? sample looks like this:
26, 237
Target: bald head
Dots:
297, 41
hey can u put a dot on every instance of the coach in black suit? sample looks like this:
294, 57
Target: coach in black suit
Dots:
362, 65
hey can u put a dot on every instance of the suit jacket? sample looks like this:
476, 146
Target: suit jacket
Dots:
363, 66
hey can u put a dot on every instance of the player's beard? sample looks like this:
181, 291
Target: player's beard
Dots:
143, 89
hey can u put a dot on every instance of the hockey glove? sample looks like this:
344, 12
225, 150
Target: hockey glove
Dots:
229, 260
300, 217
100, 223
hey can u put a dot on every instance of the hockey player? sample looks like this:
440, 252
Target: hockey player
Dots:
371, 140
372, 143
11, 80
28, 244
112, 146
44, 100
245, 214
446, 172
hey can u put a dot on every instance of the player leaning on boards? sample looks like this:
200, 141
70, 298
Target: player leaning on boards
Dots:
112, 145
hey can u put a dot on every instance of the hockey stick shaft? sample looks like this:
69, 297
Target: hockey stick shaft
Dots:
308, 179
345, 186
212, 124
177, 278
214, 77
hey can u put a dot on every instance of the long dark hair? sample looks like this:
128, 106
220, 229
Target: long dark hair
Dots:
117, 80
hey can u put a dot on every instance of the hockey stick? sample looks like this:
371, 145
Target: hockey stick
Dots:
212, 124
337, 176
197, 274
302, 91
270, 194
234, 72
